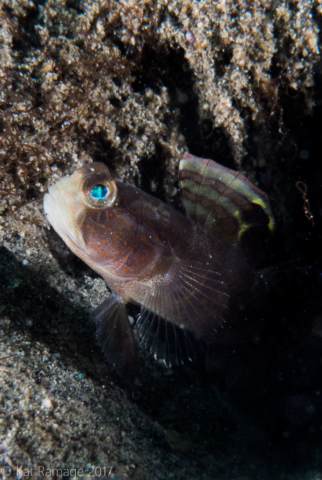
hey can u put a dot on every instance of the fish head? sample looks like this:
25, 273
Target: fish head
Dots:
76, 204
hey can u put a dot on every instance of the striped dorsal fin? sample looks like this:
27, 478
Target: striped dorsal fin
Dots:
223, 201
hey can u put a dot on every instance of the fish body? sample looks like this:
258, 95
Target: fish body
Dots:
185, 272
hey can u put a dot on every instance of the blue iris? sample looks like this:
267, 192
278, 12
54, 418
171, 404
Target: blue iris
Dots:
99, 192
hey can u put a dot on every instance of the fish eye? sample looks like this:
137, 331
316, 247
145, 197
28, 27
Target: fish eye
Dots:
99, 192
98, 188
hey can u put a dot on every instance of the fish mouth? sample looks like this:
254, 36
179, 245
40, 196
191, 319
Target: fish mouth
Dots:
60, 214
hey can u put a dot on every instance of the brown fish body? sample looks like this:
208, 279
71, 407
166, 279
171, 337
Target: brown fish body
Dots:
141, 242
183, 276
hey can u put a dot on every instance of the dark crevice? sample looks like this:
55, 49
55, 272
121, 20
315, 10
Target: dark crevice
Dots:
24, 33
158, 68
153, 174
101, 150
222, 61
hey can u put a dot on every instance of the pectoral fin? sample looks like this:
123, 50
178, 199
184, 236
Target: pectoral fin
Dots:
115, 335
223, 201
177, 312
